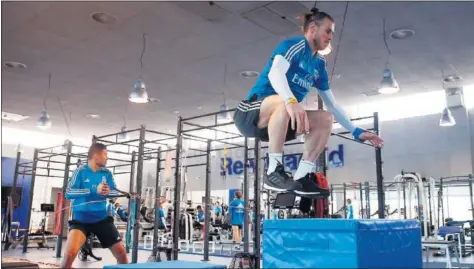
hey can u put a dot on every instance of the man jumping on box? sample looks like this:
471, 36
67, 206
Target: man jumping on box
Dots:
272, 111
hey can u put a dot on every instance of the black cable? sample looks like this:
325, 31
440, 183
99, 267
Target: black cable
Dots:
386, 45
339, 42
64, 116
47, 92
141, 56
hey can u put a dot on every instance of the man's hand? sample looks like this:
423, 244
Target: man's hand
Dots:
374, 139
298, 117
103, 189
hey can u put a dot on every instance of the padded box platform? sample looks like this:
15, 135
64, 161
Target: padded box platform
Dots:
167, 264
340, 243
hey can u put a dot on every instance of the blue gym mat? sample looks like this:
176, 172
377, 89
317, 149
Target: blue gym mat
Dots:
167, 264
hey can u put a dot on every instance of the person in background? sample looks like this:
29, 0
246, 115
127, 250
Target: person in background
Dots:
200, 214
110, 208
165, 205
163, 225
350, 209
218, 211
120, 212
237, 211
200, 220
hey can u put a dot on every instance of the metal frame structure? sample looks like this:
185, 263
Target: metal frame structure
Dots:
344, 187
139, 150
453, 182
183, 133
46, 155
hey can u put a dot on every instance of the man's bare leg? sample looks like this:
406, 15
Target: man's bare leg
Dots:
273, 115
119, 253
320, 122
75, 240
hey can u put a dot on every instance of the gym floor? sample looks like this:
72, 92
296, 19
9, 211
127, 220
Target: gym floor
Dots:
47, 256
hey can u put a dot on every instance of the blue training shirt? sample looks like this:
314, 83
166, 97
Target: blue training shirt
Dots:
351, 212
121, 213
200, 216
87, 205
111, 209
237, 211
305, 70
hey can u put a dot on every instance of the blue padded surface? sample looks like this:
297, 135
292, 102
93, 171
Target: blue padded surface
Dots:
167, 264
340, 243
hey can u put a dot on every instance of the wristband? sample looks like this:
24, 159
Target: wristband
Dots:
357, 132
291, 100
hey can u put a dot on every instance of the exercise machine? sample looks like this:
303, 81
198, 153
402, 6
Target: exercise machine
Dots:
41, 236
414, 181
284, 205
453, 231
86, 249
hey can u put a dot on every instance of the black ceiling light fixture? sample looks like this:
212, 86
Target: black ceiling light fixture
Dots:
139, 93
388, 84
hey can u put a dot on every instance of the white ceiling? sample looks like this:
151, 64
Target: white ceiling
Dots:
94, 65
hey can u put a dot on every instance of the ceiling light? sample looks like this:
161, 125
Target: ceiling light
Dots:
446, 118
93, 116
388, 85
224, 116
452, 78
326, 51
103, 18
12, 117
139, 94
44, 122
199, 107
123, 135
64, 146
14, 65
249, 74
176, 111
402, 34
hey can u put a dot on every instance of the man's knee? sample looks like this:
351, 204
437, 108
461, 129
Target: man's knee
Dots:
321, 119
272, 105
119, 252
71, 254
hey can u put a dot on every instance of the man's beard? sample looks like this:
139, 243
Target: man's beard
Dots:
316, 44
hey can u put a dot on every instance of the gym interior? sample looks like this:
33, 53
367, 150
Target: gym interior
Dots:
70, 69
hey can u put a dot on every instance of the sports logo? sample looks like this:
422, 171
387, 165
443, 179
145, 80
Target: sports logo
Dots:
316, 74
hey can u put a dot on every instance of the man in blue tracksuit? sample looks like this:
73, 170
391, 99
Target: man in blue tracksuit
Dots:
237, 211
88, 188
350, 209
111, 208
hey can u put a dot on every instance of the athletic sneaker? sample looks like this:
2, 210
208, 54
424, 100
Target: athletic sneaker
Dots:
310, 187
280, 180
